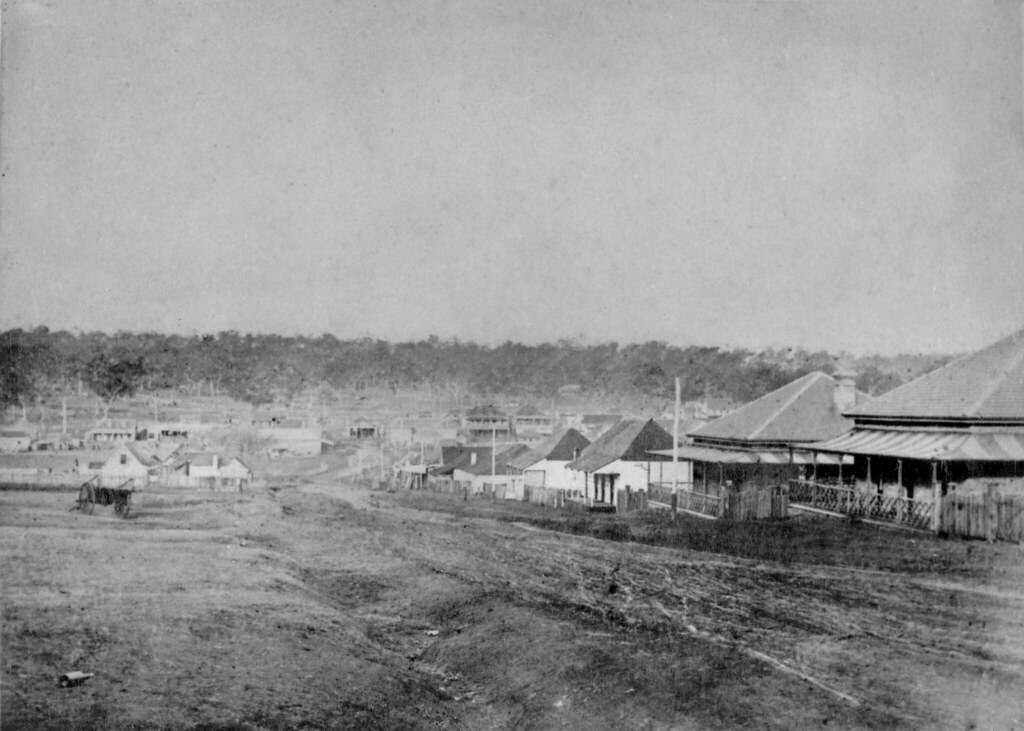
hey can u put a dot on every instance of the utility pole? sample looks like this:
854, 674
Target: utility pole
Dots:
675, 444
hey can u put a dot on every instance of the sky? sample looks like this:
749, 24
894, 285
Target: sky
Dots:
846, 175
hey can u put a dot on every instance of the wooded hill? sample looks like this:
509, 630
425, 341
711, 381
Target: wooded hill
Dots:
38, 365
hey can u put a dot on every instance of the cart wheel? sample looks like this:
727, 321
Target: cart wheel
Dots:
88, 507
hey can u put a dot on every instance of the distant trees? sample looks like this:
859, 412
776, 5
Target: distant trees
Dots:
112, 378
262, 369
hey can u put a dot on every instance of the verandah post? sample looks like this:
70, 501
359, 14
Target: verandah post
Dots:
936, 499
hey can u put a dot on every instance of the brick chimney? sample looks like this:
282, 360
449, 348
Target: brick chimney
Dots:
845, 394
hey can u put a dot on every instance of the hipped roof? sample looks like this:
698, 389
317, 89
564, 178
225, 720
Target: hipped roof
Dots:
803, 410
985, 385
629, 439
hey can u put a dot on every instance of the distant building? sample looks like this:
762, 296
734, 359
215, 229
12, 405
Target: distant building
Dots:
213, 470
107, 434
487, 422
532, 423
136, 462
15, 440
547, 465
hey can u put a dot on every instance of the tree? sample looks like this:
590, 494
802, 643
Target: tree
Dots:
111, 379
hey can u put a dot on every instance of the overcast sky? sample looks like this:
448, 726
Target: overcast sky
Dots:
820, 174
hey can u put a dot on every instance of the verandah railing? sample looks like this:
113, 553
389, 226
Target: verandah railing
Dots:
837, 499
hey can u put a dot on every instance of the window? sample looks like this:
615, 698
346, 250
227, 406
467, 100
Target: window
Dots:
124, 459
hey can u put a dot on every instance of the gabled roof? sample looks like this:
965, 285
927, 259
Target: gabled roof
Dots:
986, 385
525, 459
459, 457
563, 447
801, 411
629, 439
151, 456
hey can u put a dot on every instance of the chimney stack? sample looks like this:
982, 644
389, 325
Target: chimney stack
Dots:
845, 395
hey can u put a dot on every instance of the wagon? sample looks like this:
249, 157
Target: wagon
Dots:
91, 494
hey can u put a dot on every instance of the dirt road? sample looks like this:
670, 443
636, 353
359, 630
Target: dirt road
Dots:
325, 606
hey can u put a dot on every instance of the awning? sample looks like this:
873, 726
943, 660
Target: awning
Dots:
694, 453
928, 445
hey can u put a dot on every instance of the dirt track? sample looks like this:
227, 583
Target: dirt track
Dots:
324, 606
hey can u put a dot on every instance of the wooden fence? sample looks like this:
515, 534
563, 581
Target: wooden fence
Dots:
987, 515
751, 504
627, 501
547, 496
898, 511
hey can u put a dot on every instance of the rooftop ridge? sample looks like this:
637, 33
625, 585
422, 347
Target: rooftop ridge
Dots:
998, 381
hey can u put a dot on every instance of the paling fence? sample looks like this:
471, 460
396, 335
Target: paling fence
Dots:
989, 515
758, 503
547, 496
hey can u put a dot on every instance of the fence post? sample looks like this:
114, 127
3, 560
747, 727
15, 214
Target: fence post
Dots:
991, 513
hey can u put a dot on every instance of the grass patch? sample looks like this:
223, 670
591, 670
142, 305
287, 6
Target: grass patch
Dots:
816, 540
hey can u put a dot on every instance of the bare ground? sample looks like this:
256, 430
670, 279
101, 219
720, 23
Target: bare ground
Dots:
326, 606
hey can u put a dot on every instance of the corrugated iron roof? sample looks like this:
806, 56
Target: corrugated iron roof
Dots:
940, 446
739, 456
988, 384
803, 410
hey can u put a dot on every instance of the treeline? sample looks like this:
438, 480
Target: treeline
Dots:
39, 364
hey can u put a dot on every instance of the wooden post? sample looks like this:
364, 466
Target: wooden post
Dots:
936, 498
814, 472
675, 444
991, 512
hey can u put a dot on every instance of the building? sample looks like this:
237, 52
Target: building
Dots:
625, 458
295, 442
39, 468
959, 427
533, 424
107, 434
137, 462
15, 440
473, 466
766, 440
487, 422
211, 469
550, 464
480, 470
363, 428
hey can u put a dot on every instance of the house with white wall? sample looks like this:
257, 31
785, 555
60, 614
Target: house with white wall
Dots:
622, 459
